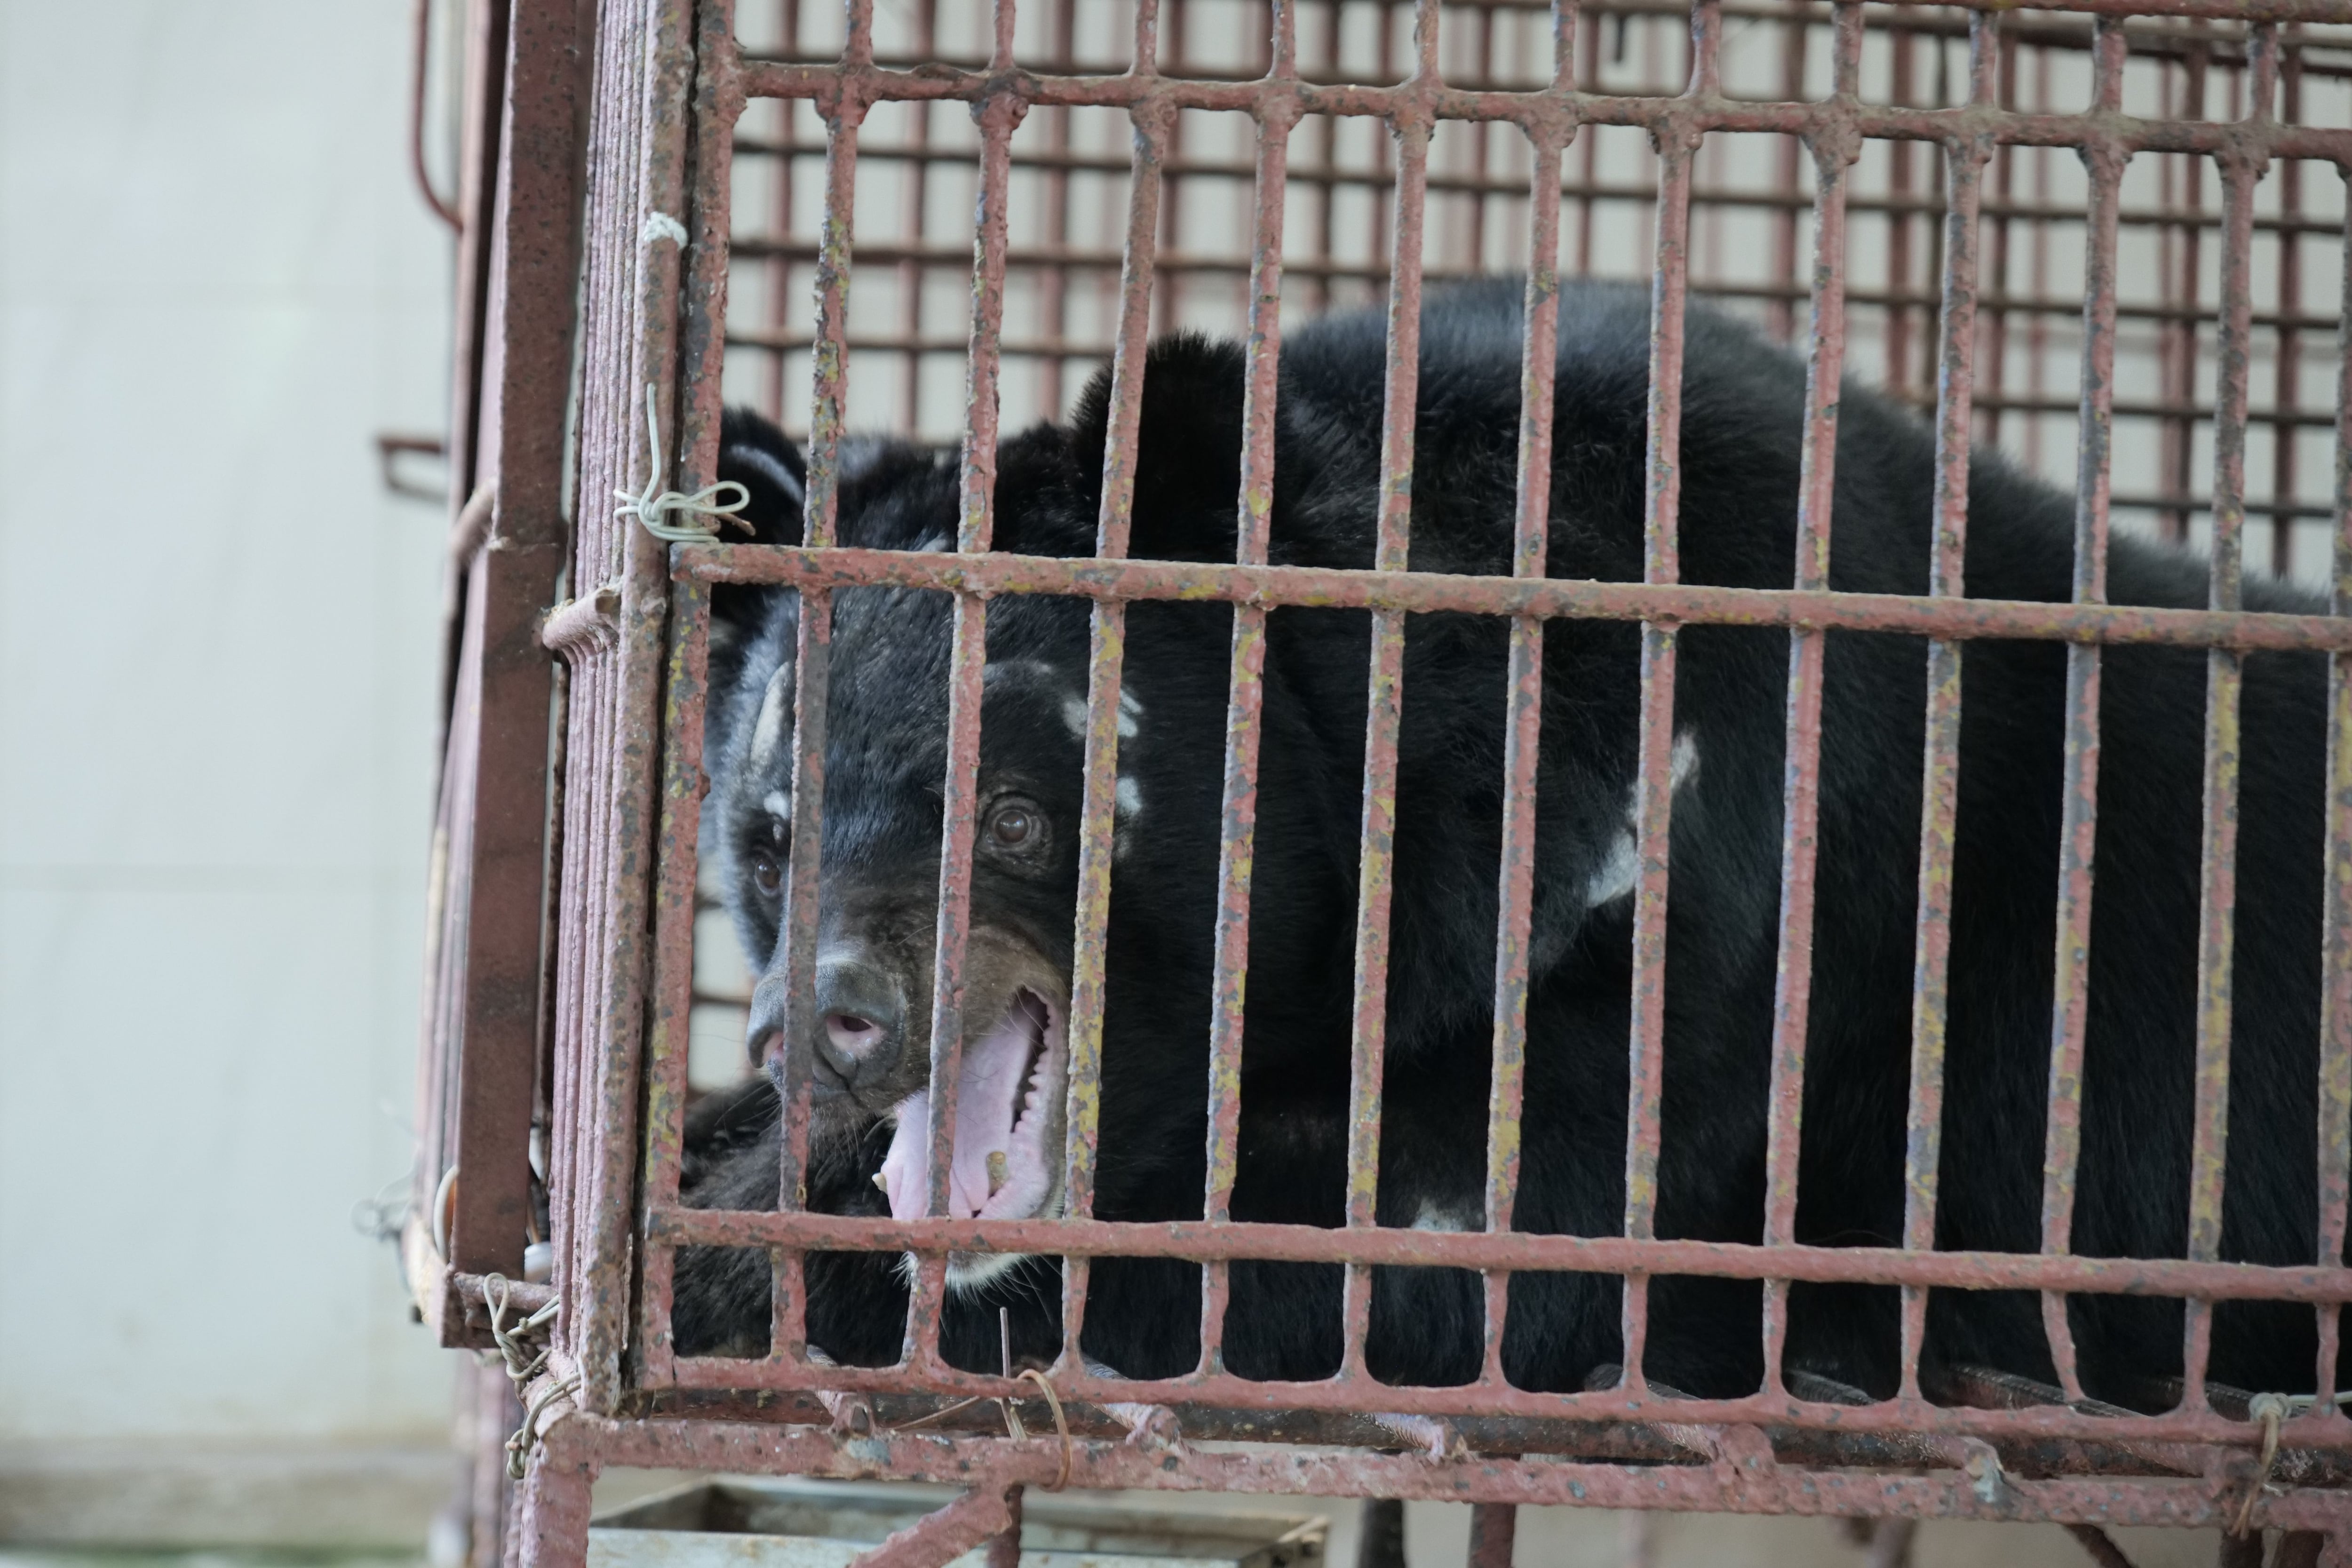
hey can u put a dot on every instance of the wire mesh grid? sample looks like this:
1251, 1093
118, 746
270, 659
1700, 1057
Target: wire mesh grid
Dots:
1532, 137
1751, 201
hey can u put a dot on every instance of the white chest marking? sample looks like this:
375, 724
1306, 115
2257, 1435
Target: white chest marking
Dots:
1622, 867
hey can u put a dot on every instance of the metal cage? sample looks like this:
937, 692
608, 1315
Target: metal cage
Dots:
564, 975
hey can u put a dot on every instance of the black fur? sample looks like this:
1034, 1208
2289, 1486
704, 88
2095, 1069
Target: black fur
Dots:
1742, 403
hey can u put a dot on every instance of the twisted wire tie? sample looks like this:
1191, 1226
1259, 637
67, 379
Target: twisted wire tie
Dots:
1061, 1424
522, 1366
703, 511
1012, 1420
2270, 1409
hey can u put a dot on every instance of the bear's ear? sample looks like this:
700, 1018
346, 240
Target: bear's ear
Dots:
757, 456
1188, 467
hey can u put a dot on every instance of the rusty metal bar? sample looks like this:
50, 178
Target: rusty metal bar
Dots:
485, 1038
1515, 1251
1099, 1464
997, 115
1246, 690
1432, 593
1939, 797
1677, 150
2036, 306
1895, 16
1494, 1527
1872, 121
778, 271
2224, 686
1523, 734
2078, 830
946, 1534
2287, 370
1789, 201
1384, 702
700, 351
621, 687
914, 200
2181, 250
420, 64
811, 681
1106, 647
2334, 1100
1834, 148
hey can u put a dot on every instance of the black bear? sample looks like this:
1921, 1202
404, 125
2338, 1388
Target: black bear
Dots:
1742, 405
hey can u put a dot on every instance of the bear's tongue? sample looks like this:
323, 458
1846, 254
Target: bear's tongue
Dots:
1002, 1168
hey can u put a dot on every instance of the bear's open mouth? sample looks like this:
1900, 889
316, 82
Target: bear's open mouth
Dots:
1008, 1144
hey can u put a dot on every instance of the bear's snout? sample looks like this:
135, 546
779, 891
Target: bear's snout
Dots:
861, 1028
861, 1025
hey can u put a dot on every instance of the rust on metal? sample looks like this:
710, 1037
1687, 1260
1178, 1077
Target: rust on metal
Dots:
667, 85
1106, 647
2334, 1164
484, 1036
1531, 522
1384, 702
1939, 797
1834, 148
2078, 831
1677, 147
1245, 686
1417, 592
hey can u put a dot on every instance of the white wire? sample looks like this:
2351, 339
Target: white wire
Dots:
703, 510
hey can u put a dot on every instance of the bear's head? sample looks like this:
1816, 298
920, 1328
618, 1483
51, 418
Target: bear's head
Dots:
886, 749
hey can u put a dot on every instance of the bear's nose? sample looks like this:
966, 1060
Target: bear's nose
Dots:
859, 1024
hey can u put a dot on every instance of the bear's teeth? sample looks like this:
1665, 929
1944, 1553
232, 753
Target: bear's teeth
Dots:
880, 1185
1000, 1171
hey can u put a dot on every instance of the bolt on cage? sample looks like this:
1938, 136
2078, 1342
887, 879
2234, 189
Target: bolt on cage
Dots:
665, 89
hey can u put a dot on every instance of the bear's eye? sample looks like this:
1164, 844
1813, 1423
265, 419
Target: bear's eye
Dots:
767, 874
1014, 824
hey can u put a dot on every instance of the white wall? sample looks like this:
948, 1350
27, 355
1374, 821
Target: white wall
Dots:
217, 654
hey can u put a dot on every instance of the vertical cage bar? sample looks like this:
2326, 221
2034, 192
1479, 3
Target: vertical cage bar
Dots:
1523, 735
1105, 647
1054, 280
1902, 91
1994, 369
792, 1065
1246, 693
1787, 179
2181, 272
718, 101
1678, 144
2287, 383
1939, 797
2336, 1027
1466, 213
844, 115
2105, 161
2225, 684
997, 113
1588, 158
779, 268
1171, 204
595, 1323
915, 181
1834, 146
1384, 702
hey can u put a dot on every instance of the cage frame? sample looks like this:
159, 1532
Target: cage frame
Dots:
668, 86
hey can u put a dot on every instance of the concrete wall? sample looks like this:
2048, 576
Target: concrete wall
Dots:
218, 651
